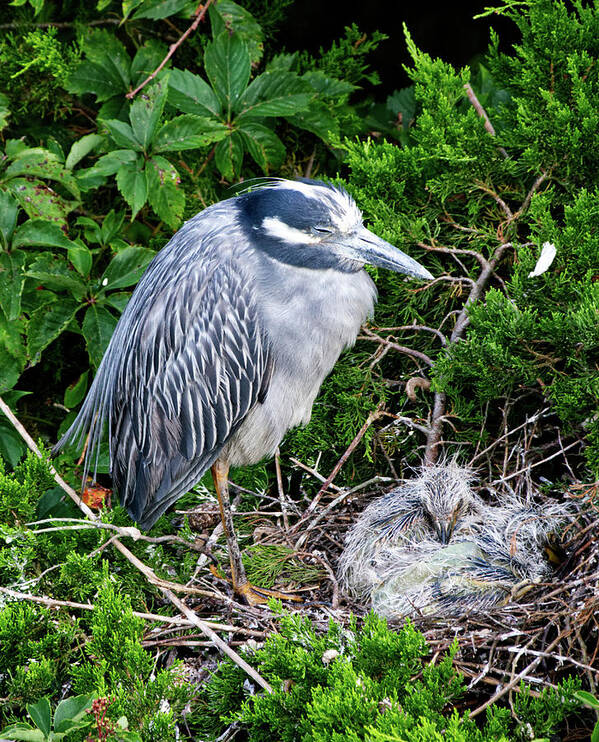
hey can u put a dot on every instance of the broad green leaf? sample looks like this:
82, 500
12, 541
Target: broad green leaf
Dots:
123, 134
164, 194
12, 352
126, 268
41, 163
131, 182
128, 6
81, 258
316, 119
190, 94
263, 145
98, 326
91, 230
146, 60
89, 77
12, 449
70, 712
118, 300
12, 278
22, 732
157, 9
14, 147
146, 111
188, 132
53, 272
228, 155
110, 164
80, 148
39, 200
587, 698
111, 225
4, 110
228, 66
40, 233
75, 393
328, 87
274, 94
47, 323
8, 218
103, 47
228, 16
281, 63
41, 715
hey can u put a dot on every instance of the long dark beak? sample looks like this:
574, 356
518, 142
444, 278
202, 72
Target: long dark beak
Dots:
365, 247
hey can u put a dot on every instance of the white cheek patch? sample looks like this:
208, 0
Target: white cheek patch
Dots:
276, 228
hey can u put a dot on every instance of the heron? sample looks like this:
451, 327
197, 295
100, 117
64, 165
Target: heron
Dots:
226, 341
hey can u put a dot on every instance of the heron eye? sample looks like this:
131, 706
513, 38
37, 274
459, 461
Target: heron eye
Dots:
321, 230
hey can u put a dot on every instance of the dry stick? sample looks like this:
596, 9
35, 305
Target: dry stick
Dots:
57, 478
53, 603
164, 585
433, 438
199, 14
482, 113
374, 415
215, 638
282, 499
517, 678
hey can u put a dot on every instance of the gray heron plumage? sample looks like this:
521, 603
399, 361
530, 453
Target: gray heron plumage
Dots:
227, 339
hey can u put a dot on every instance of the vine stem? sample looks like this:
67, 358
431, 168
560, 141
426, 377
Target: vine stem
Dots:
200, 13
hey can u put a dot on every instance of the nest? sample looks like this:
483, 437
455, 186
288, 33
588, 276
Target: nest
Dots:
546, 627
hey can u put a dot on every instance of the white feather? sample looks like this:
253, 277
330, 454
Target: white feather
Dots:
546, 257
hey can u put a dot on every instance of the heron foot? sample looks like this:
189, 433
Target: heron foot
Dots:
253, 595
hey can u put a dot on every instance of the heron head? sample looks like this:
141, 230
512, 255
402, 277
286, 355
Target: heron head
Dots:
313, 224
446, 497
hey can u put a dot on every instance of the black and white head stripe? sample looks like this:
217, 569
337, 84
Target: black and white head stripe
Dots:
300, 211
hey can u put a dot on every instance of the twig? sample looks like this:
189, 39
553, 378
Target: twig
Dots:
282, 498
164, 586
215, 638
369, 335
53, 603
199, 14
374, 415
520, 676
33, 447
482, 113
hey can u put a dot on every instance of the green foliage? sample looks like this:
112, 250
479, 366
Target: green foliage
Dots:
70, 715
362, 683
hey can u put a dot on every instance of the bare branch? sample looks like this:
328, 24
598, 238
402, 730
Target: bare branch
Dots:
199, 14
482, 113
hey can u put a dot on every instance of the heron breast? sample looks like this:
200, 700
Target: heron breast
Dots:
308, 328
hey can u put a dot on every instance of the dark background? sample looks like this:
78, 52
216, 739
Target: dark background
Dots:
445, 30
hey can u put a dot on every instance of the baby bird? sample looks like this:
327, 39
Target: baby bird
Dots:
432, 547
427, 509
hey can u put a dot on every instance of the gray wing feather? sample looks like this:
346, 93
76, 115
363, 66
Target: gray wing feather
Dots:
182, 371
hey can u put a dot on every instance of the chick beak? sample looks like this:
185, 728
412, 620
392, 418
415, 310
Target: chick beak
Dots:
443, 532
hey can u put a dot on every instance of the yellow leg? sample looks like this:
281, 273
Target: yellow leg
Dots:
251, 594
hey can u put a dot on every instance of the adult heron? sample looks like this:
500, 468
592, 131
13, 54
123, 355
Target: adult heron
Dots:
226, 341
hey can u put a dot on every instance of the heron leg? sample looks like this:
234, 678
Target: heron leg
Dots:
251, 594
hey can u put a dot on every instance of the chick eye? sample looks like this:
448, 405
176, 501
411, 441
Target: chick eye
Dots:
321, 230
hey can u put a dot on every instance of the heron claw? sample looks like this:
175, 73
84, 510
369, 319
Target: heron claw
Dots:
253, 595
